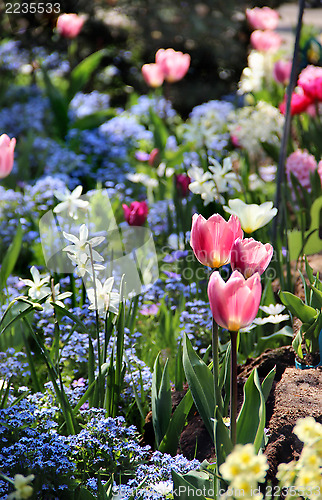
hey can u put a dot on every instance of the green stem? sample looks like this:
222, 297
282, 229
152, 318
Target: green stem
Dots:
233, 388
97, 324
215, 358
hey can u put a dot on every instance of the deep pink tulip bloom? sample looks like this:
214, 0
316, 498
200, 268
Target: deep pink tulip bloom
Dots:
182, 184
300, 102
249, 256
265, 41
263, 18
153, 74
282, 71
234, 304
136, 214
7, 148
174, 64
310, 79
211, 239
153, 157
69, 25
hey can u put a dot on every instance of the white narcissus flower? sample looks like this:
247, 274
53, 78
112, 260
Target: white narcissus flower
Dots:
38, 288
23, 488
251, 216
57, 299
84, 265
82, 244
272, 318
70, 202
106, 300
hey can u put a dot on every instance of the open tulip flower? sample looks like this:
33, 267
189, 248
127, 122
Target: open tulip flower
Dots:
282, 71
250, 256
69, 25
7, 147
252, 216
212, 239
153, 74
234, 304
174, 64
263, 18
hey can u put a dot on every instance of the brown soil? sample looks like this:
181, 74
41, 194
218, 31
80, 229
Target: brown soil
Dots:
295, 393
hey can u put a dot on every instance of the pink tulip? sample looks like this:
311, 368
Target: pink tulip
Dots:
263, 18
182, 184
265, 41
234, 304
211, 240
174, 64
153, 74
310, 79
249, 256
282, 71
69, 25
136, 214
299, 103
153, 156
7, 148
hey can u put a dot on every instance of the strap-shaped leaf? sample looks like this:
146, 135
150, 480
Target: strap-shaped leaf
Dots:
10, 259
169, 443
83, 71
182, 488
297, 307
223, 444
161, 400
201, 384
252, 416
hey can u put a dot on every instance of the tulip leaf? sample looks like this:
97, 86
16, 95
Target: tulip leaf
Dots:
10, 259
252, 416
169, 443
94, 120
297, 307
83, 71
223, 444
297, 344
201, 384
58, 104
160, 132
268, 382
182, 487
161, 400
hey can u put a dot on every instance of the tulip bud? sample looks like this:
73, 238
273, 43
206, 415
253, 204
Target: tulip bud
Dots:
7, 148
136, 213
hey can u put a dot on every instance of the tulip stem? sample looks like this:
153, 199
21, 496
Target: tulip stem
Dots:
233, 388
215, 361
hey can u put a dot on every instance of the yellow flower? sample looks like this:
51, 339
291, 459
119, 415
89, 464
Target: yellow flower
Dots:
308, 430
244, 461
286, 473
23, 489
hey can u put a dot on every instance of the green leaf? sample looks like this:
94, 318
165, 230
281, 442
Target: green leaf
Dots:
179, 371
160, 131
268, 382
223, 444
297, 344
161, 400
277, 339
252, 416
169, 443
317, 295
83, 71
58, 103
10, 259
182, 486
66, 312
201, 384
85, 494
94, 120
297, 307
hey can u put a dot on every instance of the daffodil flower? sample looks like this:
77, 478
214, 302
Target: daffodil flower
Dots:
70, 202
251, 216
57, 298
22, 486
84, 265
82, 244
38, 288
105, 299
